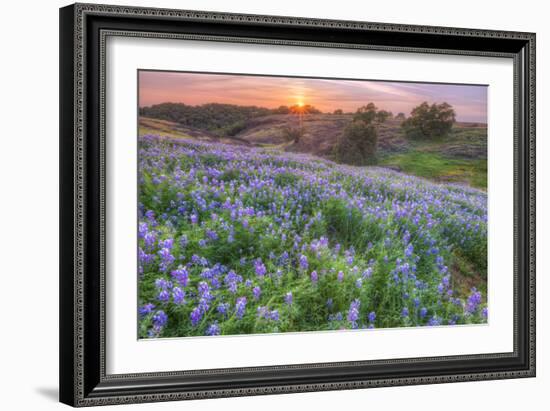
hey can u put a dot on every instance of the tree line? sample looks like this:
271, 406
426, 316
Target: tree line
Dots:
358, 143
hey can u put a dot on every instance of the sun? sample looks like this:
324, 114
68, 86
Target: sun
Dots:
300, 104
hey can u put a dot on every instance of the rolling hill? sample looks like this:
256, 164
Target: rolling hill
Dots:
460, 158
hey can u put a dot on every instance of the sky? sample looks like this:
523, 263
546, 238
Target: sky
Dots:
469, 101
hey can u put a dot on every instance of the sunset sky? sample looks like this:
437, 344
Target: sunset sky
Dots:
469, 102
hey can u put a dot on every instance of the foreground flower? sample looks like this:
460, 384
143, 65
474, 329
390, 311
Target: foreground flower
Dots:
240, 307
259, 211
473, 302
146, 309
256, 292
288, 298
303, 262
353, 312
196, 316
314, 276
259, 267
160, 319
178, 295
372, 317
213, 329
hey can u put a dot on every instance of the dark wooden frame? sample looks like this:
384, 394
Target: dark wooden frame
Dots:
83, 30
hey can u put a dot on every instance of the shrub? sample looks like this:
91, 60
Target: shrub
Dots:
293, 133
338, 111
430, 122
366, 113
232, 129
358, 143
282, 110
383, 115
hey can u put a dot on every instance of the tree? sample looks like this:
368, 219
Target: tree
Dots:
293, 134
338, 111
430, 122
366, 113
400, 116
282, 110
383, 115
359, 141
304, 109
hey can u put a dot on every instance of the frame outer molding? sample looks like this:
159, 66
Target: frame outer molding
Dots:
73, 195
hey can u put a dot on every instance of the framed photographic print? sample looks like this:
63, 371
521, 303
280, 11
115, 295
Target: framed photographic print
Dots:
261, 204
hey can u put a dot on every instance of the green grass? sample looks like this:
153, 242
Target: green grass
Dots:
438, 167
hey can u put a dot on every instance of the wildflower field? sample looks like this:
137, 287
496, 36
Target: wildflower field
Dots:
241, 240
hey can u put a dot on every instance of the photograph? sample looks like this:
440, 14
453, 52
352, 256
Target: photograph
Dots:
274, 204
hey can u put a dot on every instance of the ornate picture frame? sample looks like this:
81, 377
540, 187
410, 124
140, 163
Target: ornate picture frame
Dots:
84, 30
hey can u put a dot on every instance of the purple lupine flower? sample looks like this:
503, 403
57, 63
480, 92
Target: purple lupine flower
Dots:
472, 304
168, 243
274, 315
194, 218
178, 295
146, 309
336, 317
144, 258
203, 288
372, 317
213, 329
240, 307
181, 275
256, 292
149, 239
359, 282
262, 311
202, 243
223, 308
231, 281
434, 321
212, 235
183, 241
314, 277
162, 284
405, 312
353, 312
303, 262
160, 319
196, 316
288, 298
423, 312
163, 296
143, 228
367, 273
340, 276
409, 250
259, 268
485, 313
166, 259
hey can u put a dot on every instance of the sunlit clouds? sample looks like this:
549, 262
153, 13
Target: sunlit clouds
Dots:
469, 101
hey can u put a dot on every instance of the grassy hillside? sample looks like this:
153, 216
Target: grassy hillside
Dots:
459, 158
248, 240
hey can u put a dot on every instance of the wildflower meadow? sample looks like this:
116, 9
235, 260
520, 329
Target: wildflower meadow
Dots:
235, 239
